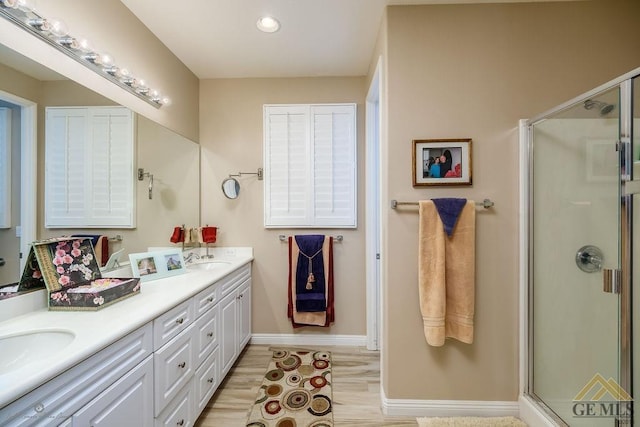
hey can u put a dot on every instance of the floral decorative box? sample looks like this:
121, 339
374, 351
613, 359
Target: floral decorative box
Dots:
70, 272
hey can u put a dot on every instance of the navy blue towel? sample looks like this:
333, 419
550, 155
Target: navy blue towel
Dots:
449, 211
310, 300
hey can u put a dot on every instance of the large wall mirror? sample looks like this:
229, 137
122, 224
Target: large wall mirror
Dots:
172, 159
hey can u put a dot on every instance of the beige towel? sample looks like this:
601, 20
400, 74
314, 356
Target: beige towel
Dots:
446, 275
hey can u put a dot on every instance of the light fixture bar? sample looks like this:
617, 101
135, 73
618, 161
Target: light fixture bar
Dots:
39, 27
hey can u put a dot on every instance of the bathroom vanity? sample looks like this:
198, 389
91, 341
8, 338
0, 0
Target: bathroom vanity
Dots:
154, 359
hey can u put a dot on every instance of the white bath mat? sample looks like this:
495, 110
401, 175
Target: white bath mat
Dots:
471, 422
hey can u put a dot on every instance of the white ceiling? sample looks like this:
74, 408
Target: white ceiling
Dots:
219, 38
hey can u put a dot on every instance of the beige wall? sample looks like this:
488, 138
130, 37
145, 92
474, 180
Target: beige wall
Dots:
112, 28
474, 71
231, 140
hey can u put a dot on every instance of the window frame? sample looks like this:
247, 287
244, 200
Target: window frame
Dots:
311, 219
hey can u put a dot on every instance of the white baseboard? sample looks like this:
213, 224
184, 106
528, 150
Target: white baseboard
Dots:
309, 339
449, 408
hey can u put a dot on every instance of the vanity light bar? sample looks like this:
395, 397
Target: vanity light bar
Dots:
54, 33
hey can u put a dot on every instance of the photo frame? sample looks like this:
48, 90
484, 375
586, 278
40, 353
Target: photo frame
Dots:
441, 162
158, 264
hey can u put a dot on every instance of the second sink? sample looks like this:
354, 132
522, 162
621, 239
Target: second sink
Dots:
208, 265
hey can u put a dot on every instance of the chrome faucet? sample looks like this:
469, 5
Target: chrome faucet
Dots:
189, 258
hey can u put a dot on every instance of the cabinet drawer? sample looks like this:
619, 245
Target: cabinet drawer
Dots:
234, 279
173, 367
206, 334
67, 393
127, 402
206, 299
172, 323
207, 380
181, 411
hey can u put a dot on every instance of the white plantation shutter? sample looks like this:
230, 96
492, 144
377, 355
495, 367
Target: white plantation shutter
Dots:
66, 133
334, 169
89, 167
310, 165
111, 198
5, 167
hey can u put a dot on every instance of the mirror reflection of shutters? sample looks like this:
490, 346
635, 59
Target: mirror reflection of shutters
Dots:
66, 134
89, 178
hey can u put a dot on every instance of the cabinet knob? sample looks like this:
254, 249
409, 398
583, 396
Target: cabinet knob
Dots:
210, 380
179, 321
210, 334
210, 299
182, 365
180, 423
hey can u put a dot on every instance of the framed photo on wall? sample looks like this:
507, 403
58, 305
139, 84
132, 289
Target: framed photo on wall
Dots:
441, 162
156, 265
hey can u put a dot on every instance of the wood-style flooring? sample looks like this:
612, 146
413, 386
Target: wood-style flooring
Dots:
356, 389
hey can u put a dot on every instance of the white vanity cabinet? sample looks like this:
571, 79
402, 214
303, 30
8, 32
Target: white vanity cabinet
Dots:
98, 377
128, 402
162, 374
235, 312
188, 367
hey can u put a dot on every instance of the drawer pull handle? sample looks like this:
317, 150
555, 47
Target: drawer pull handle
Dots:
210, 299
180, 320
180, 423
182, 365
210, 334
210, 380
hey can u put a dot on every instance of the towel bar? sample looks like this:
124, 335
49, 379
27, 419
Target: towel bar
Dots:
486, 203
337, 238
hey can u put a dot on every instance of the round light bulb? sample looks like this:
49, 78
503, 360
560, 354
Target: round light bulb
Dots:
268, 24
85, 45
58, 28
106, 59
12, 4
26, 5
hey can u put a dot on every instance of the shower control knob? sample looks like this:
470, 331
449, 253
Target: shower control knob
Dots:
589, 259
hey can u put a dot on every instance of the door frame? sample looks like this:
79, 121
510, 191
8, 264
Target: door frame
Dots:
373, 209
28, 171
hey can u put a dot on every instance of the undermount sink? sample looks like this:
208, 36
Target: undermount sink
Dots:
31, 346
208, 265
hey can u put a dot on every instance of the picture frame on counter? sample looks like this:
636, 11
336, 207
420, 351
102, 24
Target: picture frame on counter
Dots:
157, 264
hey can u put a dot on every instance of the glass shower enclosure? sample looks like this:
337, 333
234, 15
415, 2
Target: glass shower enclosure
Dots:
583, 184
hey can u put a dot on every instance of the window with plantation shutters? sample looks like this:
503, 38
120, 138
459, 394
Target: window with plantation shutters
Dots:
310, 165
89, 177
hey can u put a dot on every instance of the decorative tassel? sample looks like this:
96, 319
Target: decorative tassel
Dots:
310, 281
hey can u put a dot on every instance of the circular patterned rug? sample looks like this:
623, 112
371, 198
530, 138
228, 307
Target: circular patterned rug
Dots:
295, 392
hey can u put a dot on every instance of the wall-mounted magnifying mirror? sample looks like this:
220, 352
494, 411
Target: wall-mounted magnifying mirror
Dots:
231, 188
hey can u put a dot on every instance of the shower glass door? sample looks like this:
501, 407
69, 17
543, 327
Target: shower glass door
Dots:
575, 242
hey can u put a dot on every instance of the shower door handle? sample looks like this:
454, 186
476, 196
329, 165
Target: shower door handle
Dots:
611, 280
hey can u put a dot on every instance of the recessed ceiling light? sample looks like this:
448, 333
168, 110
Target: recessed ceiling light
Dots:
268, 24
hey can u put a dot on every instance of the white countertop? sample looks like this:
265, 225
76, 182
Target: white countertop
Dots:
95, 330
